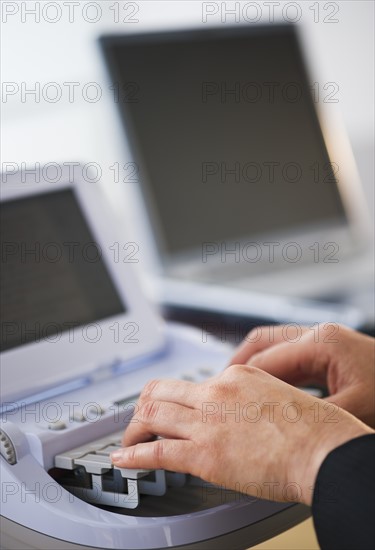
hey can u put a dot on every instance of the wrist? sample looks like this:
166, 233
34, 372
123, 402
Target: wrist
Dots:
326, 438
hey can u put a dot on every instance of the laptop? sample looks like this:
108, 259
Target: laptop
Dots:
240, 170
79, 341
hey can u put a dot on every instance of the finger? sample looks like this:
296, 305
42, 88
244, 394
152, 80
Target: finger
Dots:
174, 391
160, 418
261, 338
163, 454
295, 363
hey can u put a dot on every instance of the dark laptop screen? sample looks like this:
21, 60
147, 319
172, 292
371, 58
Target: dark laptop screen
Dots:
53, 278
223, 126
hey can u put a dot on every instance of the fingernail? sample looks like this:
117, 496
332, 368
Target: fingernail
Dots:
116, 456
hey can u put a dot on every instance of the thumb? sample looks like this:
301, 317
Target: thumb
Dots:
351, 400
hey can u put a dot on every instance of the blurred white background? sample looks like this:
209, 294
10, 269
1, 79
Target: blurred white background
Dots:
56, 42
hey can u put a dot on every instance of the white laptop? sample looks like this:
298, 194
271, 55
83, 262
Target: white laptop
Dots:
240, 170
79, 341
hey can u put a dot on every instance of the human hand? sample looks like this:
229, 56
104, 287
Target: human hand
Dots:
328, 354
243, 429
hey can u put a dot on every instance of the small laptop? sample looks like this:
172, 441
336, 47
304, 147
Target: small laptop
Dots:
79, 341
245, 181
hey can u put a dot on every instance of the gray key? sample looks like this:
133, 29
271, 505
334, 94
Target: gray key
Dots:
97, 495
108, 440
129, 473
106, 451
66, 460
175, 479
94, 464
133, 473
157, 487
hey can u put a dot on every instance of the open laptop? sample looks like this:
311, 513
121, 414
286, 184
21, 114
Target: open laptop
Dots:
246, 183
79, 341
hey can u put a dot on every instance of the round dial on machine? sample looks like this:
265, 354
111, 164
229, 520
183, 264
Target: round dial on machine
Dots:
7, 449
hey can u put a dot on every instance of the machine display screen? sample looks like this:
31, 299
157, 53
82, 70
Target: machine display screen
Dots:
53, 277
226, 133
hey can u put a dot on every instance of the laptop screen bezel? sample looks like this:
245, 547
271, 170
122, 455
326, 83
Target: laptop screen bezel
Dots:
33, 367
352, 234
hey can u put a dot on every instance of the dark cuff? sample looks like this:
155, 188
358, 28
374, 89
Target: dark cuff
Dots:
344, 497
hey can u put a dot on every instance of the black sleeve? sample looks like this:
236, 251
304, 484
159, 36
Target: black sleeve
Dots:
343, 505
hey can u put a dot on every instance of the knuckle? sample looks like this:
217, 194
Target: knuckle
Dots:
342, 330
322, 327
311, 336
219, 392
132, 453
149, 411
254, 334
149, 389
255, 361
215, 390
238, 370
158, 452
